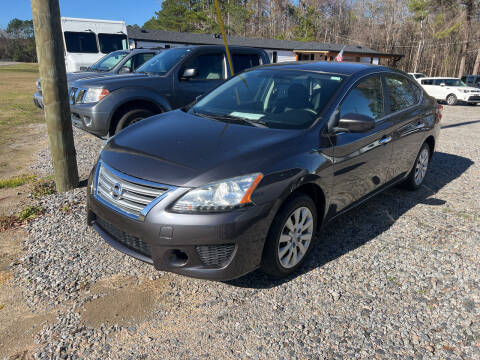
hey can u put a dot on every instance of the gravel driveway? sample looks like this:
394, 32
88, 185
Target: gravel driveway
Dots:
396, 278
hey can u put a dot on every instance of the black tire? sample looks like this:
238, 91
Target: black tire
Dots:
131, 117
412, 183
271, 263
452, 99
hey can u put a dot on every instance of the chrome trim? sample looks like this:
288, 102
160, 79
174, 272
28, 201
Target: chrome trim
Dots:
143, 212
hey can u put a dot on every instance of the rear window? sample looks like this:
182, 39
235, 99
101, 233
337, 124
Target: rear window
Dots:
112, 42
80, 42
244, 61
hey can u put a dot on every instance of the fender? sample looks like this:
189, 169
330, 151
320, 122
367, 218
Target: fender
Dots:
121, 96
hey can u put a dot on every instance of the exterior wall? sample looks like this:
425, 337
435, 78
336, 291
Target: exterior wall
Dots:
155, 44
283, 56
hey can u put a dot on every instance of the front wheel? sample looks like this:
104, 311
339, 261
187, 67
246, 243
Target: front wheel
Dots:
417, 175
290, 237
132, 117
451, 99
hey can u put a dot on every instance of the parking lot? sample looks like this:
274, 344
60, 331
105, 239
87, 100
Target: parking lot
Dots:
396, 278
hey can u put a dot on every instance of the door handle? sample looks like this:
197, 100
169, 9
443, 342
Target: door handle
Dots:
385, 140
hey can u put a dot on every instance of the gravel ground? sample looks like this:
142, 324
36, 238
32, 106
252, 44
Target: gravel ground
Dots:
396, 278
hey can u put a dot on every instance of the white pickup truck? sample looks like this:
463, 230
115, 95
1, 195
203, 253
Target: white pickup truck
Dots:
451, 90
88, 40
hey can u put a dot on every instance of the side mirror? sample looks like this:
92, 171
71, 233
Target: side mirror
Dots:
355, 123
189, 73
124, 70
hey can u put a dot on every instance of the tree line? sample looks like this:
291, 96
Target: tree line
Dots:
17, 41
436, 37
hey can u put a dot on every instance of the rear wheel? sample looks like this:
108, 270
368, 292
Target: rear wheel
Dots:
290, 237
451, 99
131, 117
417, 175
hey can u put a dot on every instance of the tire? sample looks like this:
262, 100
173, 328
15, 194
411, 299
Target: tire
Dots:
419, 170
280, 247
452, 99
131, 117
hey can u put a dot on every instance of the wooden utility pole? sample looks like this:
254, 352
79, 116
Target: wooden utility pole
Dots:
53, 77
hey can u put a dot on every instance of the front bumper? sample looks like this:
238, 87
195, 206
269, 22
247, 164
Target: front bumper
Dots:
38, 100
87, 117
215, 246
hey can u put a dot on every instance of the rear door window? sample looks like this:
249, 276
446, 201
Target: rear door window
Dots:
112, 42
403, 93
208, 66
244, 61
81, 42
366, 98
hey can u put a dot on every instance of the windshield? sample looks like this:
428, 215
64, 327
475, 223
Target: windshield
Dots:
285, 99
112, 42
163, 62
108, 62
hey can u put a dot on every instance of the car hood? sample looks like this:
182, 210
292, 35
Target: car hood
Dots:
110, 82
177, 148
71, 77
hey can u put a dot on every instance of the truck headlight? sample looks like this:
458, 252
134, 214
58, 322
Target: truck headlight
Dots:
94, 95
221, 196
466, 91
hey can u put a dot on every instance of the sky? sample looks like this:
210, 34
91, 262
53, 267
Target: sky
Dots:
130, 11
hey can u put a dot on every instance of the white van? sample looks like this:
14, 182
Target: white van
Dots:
88, 40
451, 90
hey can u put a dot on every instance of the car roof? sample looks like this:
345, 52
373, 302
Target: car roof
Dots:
341, 68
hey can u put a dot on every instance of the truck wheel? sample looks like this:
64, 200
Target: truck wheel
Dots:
131, 117
451, 99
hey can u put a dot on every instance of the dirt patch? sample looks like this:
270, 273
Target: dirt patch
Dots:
123, 300
20, 143
18, 323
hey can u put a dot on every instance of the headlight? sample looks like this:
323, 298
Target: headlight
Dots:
38, 84
466, 91
220, 196
94, 95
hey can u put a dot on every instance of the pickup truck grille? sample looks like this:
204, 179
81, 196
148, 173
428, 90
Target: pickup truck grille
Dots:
75, 95
128, 195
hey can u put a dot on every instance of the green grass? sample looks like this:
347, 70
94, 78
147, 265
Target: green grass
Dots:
17, 85
16, 181
30, 212
43, 187
22, 67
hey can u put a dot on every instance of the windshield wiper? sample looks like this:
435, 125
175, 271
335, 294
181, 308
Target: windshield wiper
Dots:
231, 118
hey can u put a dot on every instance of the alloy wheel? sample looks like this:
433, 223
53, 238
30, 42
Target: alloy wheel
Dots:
295, 237
421, 166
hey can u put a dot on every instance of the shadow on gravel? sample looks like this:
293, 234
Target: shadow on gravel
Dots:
369, 220
460, 124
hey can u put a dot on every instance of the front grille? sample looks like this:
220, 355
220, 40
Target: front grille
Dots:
129, 197
76, 95
122, 237
215, 255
